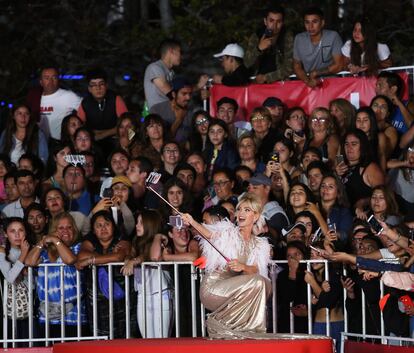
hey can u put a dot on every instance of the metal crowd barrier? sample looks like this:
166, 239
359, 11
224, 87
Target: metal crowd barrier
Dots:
11, 338
409, 69
402, 341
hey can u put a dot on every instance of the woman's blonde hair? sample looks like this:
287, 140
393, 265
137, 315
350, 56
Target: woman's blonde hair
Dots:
58, 218
330, 127
245, 136
252, 200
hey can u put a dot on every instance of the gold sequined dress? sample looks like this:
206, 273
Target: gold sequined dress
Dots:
237, 301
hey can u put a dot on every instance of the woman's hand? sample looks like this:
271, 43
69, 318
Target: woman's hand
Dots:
326, 286
236, 266
341, 169
103, 204
270, 168
116, 201
312, 208
355, 69
297, 139
349, 284
50, 239
340, 257
331, 236
24, 248
368, 275
165, 252
309, 277
360, 214
81, 264
187, 219
128, 268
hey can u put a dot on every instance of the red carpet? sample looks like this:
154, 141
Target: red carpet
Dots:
196, 345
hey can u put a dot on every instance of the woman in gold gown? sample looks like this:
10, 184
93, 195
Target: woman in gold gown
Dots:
235, 291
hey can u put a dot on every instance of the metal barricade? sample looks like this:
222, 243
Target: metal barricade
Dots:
157, 286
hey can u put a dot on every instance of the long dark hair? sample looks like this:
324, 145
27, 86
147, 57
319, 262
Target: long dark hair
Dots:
64, 131
369, 32
365, 152
28, 235
195, 140
31, 138
373, 129
152, 223
186, 206
51, 166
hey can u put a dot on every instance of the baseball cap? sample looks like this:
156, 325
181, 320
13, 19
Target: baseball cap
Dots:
299, 225
121, 179
272, 102
232, 49
260, 179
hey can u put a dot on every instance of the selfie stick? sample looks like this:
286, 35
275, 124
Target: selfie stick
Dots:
74, 159
153, 178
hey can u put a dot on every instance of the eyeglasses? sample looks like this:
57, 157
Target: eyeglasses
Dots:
258, 118
201, 122
221, 183
319, 120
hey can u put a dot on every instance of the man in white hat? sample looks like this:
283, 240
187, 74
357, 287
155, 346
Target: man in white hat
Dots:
236, 74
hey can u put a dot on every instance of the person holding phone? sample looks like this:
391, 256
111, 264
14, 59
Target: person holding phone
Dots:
382, 206
269, 50
115, 200
358, 172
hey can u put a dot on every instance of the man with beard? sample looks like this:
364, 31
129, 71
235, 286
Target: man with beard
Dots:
176, 113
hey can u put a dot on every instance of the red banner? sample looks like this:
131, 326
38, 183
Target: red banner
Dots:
358, 90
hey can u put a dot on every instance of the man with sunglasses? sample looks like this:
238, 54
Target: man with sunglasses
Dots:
317, 51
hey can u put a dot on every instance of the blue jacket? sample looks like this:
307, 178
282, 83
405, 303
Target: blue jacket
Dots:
227, 156
342, 217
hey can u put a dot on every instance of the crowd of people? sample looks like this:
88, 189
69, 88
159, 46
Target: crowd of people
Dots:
336, 184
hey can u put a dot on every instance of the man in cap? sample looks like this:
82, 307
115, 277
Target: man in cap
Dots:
295, 232
176, 112
273, 213
236, 74
275, 106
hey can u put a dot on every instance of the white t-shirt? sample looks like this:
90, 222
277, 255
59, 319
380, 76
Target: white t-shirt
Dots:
383, 51
53, 108
17, 151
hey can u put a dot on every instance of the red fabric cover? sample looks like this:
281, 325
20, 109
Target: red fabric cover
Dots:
294, 93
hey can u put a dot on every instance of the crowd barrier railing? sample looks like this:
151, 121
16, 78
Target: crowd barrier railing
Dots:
152, 289
358, 89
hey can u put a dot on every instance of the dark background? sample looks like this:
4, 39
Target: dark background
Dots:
123, 35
